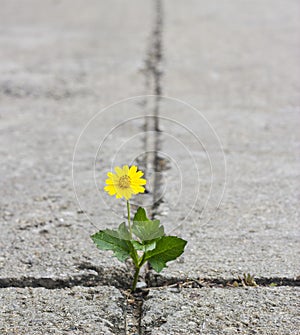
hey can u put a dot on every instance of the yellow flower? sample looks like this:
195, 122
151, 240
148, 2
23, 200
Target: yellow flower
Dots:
125, 182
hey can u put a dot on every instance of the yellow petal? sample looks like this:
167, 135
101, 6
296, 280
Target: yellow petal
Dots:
138, 189
125, 169
119, 171
120, 191
139, 174
142, 181
138, 181
111, 190
132, 171
127, 193
109, 181
110, 175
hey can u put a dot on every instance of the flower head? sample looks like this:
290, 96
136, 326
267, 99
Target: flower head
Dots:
125, 182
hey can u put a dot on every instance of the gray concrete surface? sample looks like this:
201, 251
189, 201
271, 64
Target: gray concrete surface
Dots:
239, 66
222, 311
97, 310
58, 69
64, 61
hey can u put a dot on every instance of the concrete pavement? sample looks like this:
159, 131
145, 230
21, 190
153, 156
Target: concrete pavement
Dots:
237, 63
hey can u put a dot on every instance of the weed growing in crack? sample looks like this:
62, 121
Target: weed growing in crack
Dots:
142, 240
246, 280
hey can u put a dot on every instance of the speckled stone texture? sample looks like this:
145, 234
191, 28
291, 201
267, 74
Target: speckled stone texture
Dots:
237, 63
97, 310
264, 311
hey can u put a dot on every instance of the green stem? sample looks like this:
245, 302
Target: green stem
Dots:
142, 261
128, 215
137, 271
136, 277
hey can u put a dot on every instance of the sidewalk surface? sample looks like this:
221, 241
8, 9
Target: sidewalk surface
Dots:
228, 74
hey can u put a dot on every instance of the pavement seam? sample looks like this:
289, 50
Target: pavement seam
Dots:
159, 282
153, 85
91, 280
151, 161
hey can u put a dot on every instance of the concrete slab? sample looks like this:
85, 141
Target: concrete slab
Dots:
58, 70
229, 60
222, 311
97, 310
232, 55
232, 67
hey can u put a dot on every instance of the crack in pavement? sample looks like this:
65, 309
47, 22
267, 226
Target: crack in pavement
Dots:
151, 161
113, 279
94, 276
158, 282
153, 74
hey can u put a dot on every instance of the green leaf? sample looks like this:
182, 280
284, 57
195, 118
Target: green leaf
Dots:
123, 232
140, 215
150, 245
118, 241
167, 249
145, 229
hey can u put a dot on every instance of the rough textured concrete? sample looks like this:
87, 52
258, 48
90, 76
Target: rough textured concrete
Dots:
97, 310
64, 61
222, 311
58, 69
239, 66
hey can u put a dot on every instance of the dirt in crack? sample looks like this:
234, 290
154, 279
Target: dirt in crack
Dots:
151, 161
133, 311
91, 275
153, 62
155, 281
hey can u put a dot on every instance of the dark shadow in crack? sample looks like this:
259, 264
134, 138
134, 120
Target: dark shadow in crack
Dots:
91, 275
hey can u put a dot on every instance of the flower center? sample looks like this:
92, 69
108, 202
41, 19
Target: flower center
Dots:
124, 182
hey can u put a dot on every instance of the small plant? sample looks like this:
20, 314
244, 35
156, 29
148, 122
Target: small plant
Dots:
247, 280
235, 284
141, 239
